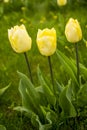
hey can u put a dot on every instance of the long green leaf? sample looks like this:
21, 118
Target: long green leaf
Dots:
2, 90
58, 88
68, 65
82, 96
37, 123
83, 70
68, 61
46, 89
30, 97
22, 109
65, 101
43, 99
50, 114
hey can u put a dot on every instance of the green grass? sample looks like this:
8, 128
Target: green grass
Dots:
43, 16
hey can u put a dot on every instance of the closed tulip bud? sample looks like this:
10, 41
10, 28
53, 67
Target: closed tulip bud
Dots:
46, 41
19, 39
73, 31
61, 2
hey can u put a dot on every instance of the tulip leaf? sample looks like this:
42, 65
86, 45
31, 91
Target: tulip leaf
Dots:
22, 109
83, 71
82, 95
51, 113
34, 118
46, 89
65, 101
50, 118
69, 67
2, 90
30, 97
58, 88
68, 61
43, 99
36, 122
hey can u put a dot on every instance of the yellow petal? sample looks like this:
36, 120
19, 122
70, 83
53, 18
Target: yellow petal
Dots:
46, 41
73, 31
19, 39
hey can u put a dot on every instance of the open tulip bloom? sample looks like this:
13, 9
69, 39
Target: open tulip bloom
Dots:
20, 41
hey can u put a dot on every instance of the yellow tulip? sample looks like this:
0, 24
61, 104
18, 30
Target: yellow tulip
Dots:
61, 2
46, 41
6, 1
73, 31
19, 39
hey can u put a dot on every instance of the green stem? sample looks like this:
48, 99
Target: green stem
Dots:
51, 71
21, 121
77, 62
28, 65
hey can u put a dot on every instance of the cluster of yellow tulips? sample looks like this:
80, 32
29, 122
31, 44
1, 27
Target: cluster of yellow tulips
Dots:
46, 39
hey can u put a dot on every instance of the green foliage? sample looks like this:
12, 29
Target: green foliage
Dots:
65, 101
70, 68
31, 101
45, 114
82, 90
68, 65
46, 89
43, 103
82, 1
12, 5
2, 90
2, 127
82, 96
30, 97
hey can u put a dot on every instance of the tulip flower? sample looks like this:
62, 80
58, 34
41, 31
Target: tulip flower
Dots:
19, 39
73, 34
73, 31
46, 41
20, 42
6, 1
61, 2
